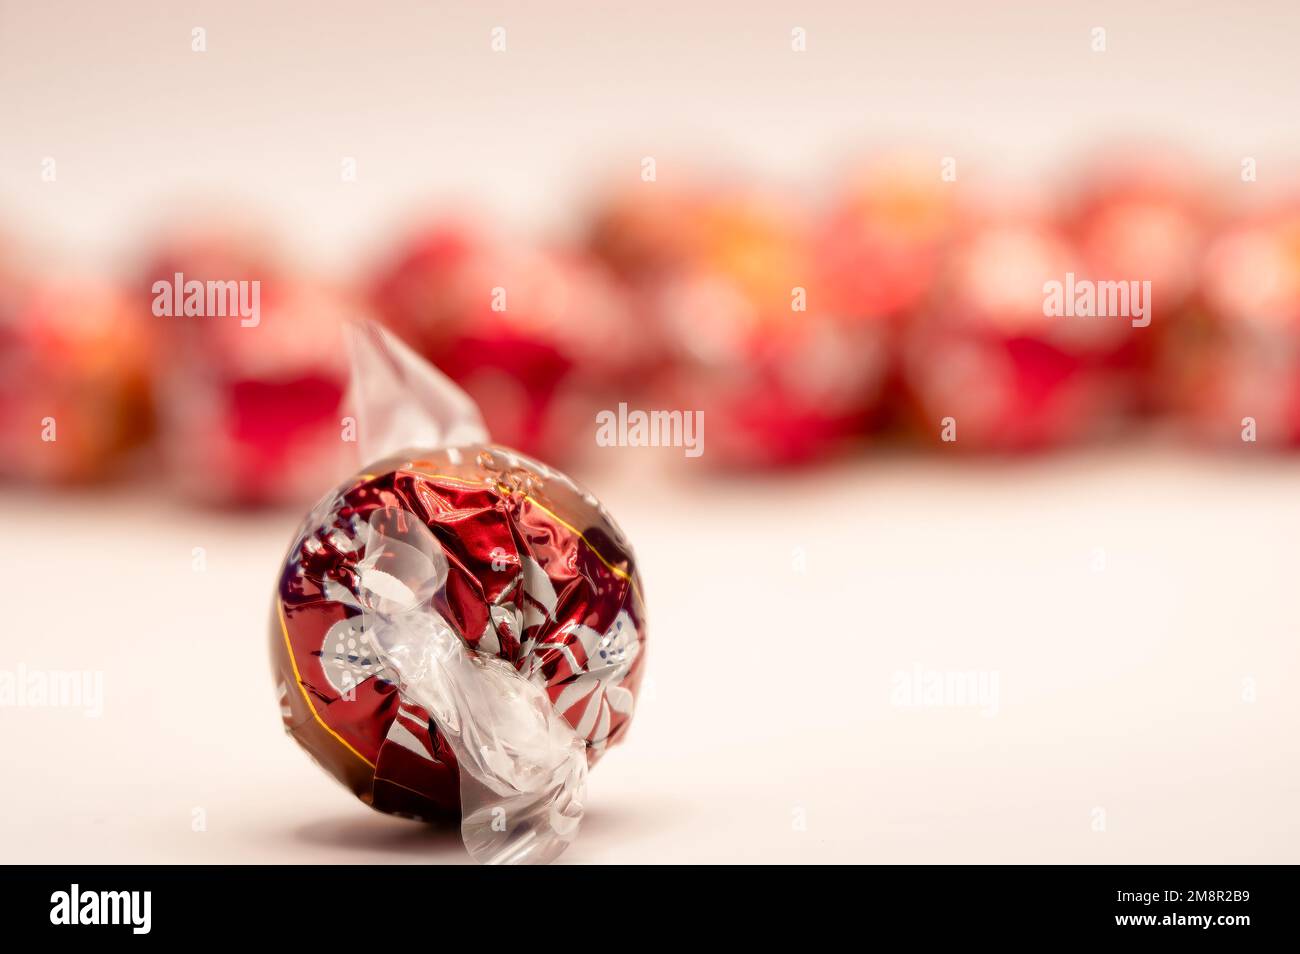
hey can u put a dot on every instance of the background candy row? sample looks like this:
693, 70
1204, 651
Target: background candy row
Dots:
906, 308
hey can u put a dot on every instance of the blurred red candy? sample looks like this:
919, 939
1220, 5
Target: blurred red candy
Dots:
254, 369
1143, 218
14, 283
250, 408
541, 339
74, 381
987, 355
1146, 218
215, 248
1243, 359
782, 375
881, 248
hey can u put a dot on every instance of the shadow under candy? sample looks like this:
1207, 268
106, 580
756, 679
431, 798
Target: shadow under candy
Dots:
371, 832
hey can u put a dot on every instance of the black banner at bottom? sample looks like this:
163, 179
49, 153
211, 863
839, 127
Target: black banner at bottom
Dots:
333, 905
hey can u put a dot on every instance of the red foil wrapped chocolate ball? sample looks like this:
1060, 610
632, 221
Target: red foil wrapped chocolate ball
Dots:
458, 632
538, 575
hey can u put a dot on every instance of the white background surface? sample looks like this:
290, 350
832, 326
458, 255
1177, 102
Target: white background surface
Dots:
140, 125
770, 690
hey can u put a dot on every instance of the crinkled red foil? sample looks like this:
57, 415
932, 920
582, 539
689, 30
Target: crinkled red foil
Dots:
491, 510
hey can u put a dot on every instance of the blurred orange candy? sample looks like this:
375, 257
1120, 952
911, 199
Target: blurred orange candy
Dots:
647, 231
75, 361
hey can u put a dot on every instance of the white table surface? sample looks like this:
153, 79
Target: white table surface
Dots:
771, 692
